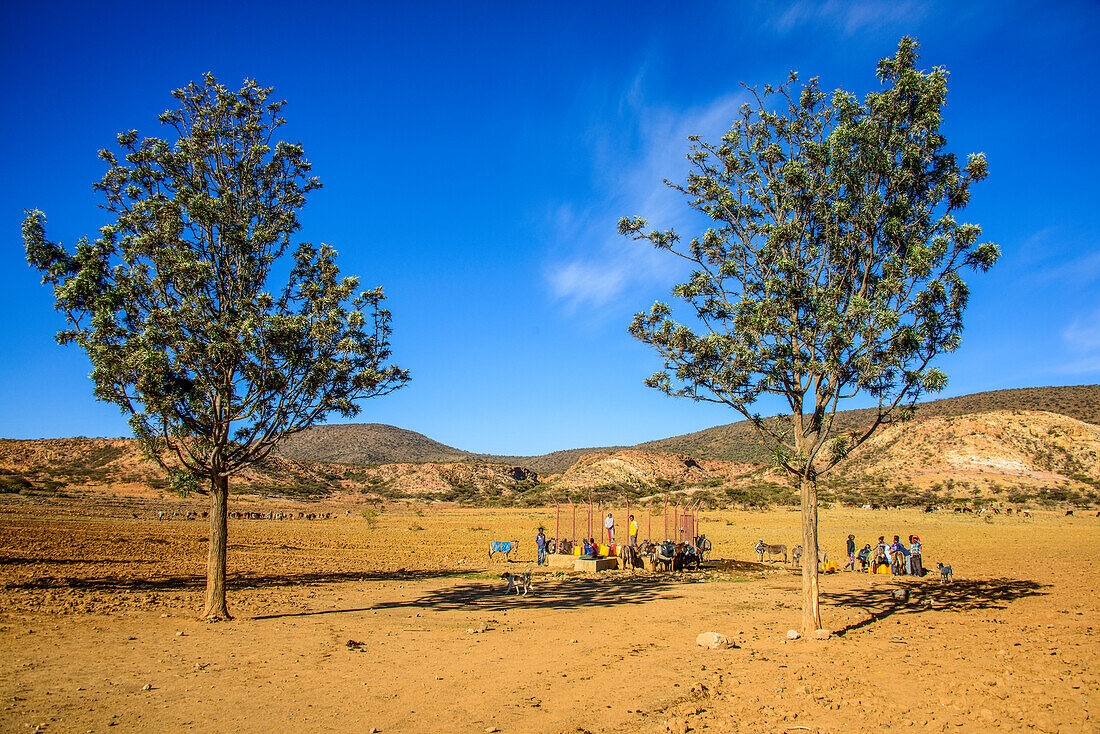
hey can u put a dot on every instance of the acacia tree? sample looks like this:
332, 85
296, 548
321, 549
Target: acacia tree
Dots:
832, 268
172, 304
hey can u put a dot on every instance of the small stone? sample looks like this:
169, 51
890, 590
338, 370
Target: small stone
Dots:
679, 726
714, 641
793, 634
822, 634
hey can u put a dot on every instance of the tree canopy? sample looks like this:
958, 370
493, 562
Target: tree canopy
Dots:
175, 305
833, 266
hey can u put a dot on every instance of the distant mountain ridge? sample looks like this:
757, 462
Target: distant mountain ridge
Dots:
375, 443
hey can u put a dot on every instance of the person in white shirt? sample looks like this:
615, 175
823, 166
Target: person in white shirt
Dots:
609, 523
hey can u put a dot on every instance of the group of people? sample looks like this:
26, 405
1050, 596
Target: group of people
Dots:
903, 560
609, 526
591, 547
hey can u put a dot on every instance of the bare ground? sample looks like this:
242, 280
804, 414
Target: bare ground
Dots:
354, 625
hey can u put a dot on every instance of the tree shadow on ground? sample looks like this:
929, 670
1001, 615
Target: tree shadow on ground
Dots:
235, 582
568, 593
17, 560
729, 564
927, 596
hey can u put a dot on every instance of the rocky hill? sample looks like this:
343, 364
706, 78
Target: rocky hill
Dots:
1006, 455
375, 443
996, 453
738, 441
367, 443
67, 465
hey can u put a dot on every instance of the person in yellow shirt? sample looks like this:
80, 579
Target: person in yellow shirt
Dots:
633, 531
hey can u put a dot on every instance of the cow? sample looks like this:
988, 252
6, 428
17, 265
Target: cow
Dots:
772, 550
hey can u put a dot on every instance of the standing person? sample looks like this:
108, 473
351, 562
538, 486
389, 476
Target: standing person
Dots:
900, 554
851, 553
609, 523
540, 543
915, 563
633, 529
882, 554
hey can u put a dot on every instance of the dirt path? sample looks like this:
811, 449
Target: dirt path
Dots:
97, 630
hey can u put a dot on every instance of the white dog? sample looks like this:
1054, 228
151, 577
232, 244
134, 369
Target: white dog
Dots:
519, 582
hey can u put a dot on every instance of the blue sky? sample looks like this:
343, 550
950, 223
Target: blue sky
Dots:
476, 157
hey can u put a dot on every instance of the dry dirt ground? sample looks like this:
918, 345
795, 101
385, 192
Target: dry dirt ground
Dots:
399, 624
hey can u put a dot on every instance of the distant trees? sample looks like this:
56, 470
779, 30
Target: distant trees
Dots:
832, 269
173, 305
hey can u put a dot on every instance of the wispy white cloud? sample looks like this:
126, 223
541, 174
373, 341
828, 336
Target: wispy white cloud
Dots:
1083, 333
593, 266
1082, 338
1083, 268
849, 17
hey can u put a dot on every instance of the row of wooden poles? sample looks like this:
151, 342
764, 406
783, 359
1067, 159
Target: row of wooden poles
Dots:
684, 526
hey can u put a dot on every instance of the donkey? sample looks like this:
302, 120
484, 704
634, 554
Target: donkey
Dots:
772, 550
796, 556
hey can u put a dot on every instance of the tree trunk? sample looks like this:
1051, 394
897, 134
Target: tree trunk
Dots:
811, 610
215, 561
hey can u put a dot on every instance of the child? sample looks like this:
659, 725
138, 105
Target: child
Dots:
864, 557
851, 553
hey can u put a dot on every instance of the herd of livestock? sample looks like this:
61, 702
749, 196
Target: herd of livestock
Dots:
194, 515
667, 555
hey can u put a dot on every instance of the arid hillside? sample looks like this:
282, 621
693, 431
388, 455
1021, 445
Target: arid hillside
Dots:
645, 470
1000, 454
375, 443
366, 443
117, 465
1006, 456
738, 441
